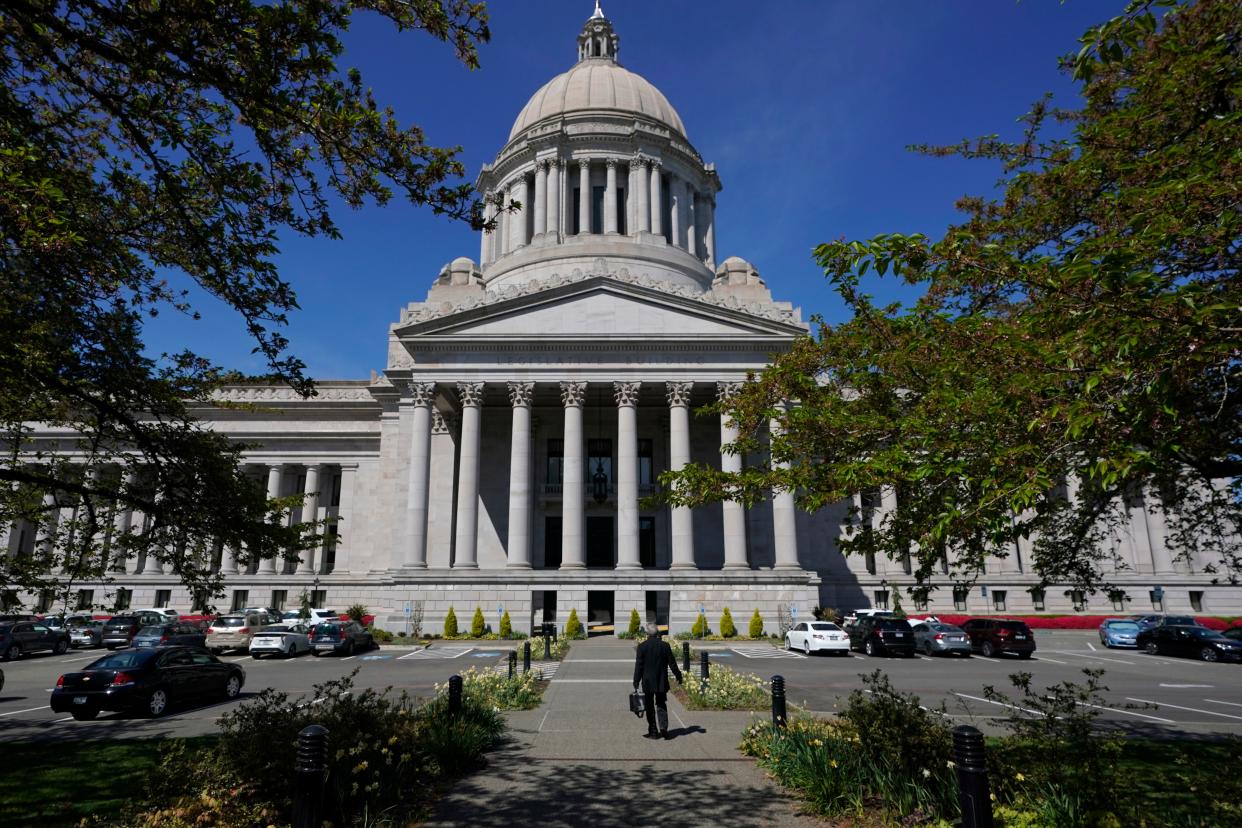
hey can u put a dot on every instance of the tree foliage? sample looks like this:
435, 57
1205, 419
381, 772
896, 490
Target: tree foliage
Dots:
1074, 359
147, 149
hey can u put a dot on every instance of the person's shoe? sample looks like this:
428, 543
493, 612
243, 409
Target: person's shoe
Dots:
651, 734
664, 734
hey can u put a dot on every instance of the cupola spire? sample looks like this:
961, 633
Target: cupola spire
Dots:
598, 41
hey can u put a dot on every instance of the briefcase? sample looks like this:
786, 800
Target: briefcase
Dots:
636, 704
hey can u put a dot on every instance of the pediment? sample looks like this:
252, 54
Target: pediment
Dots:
600, 308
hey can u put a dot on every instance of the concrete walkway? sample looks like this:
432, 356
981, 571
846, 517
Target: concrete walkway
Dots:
580, 760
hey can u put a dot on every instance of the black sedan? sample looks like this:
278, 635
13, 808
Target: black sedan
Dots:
1192, 641
341, 637
146, 681
30, 637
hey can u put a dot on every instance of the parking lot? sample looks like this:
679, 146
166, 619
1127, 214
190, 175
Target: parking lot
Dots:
1165, 695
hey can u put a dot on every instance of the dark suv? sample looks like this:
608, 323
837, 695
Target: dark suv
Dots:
29, 637
341, 637
882, 636
119, 631
992, 636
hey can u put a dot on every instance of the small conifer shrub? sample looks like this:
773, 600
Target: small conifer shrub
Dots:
636, 625
727, 628
450, 624
756, 625
573, 627
506, 626
477, 625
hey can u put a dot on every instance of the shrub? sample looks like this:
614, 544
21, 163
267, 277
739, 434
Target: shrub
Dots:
478, 626
382, 636
726, 690
506, 626
357, 612
896, 729
636, 625
498, 691
700, 628
727, 628
573, 627
450, 624
756, 625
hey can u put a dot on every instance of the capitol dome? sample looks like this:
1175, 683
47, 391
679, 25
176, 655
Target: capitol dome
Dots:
597, 84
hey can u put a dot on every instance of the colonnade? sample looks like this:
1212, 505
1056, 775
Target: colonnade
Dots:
546, 195
573, 394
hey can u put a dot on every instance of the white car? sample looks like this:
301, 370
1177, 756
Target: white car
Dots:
286, 640
816, 636
316, 615
167, 612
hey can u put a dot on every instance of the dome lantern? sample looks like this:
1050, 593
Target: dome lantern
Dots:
598, 41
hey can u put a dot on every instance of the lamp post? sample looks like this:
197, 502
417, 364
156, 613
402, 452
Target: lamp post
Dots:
884, 586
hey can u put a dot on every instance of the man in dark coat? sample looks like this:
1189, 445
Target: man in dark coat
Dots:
651, 665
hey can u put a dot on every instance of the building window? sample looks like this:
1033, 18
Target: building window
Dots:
8, 599
920, 603
599, 455
335, 500
552, 542
646, 463
881, 599
1119, 600
1037, 598
870, 561
86, 599
329, 551
124, 597
1196, 600
1157, 599
998, 600
279, 598
907, 565
959, 598
646, 542
556, 462
45, 601
1079, 599
319, 598
241, 597
163, 597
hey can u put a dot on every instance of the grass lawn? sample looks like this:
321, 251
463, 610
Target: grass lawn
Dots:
61, 783
1186, 783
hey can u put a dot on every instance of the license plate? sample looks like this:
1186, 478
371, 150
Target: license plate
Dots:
900, 635
1020, 637
79, 699
957, 639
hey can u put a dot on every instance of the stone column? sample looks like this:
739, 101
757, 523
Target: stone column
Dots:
657, 199
627, 474
520, 394
122, 519
573, 487
274, 475
344, 512
584, 196
709, 231
675, 211
1157, 533
554, 198
541, 197
631, 199
228, 560
7, 531
485, 244
692, 227
610, 198
515, 221
784, 519
471, 394
45, 534
310, 513
682, 518
733, 512
422, 395
642, 178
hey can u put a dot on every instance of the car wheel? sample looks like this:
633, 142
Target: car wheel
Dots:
869, 648
349, 651
316, 653
255, 656
62, 647
84, 715
232, 687
1152, 648
788, 643
927, 648
13, 653
157, 703
988, 650
806, 648
1208, 654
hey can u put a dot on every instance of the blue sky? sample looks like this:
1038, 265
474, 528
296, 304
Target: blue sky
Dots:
805, 106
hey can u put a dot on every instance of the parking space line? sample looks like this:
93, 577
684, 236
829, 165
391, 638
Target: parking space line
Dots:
83, 658
1053, 660
1191, 709
349, 658
1218, 701
66, 719
1000, 704
1094, 657
1128, 713
27, 710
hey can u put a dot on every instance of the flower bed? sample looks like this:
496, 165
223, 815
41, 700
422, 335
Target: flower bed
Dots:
1068, 622
726, 690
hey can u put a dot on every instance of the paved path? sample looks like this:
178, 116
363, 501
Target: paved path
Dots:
580, 759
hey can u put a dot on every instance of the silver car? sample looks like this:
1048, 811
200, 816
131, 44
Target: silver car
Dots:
939, 638
86, 633
281, 639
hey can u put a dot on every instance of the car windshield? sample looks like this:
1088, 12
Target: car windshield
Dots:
823, 625
151, 631
891, 624
327, 629
124, 620
275, 628
122, 660
1017, 626
1122, 626
1181, 620
230, 622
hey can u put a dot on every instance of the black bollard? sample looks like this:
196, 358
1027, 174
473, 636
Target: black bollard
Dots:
778, 701
685, 656
454, 704
974, 795
547, 647
308, 770
512, 663
525, 656
703, 671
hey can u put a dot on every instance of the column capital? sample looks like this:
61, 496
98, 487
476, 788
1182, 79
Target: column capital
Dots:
520, 393
573, 393
584, 163
612, 163
439, 423
679, 392
726, 391
422, 393
471, 393
627, 392
543, 164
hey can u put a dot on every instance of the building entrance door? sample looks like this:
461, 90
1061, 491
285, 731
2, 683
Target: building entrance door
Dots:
599, 613
657, 608
599, 543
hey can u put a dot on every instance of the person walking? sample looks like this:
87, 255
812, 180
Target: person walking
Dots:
651, 665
